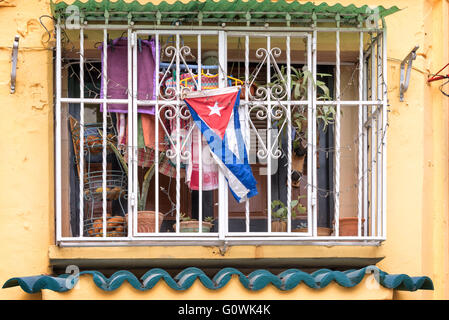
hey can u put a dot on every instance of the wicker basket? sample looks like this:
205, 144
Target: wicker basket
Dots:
146, 221
115, 225
116, 188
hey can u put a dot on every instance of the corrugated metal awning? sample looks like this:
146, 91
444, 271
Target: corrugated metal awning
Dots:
221, 10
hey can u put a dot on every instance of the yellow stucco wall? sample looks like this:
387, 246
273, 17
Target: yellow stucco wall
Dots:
417, 164
26, 170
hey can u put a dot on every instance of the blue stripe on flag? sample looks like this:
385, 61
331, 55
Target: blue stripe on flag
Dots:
237, 164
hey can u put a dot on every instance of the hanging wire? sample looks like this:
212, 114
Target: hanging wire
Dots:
43, 26
441, 88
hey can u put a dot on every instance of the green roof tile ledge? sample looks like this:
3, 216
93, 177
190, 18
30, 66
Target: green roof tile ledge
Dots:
256, 280
211, 9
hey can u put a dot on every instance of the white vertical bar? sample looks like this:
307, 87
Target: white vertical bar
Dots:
360, 140
314, 138
223, 188
178, 138
247, 119
365, 151
105, 133
373, 137
200, 149
384, 130
269, 128
289, 138
133, 139
129, 139
156, 138
81, 155
379, 137
58, 135
310, 92
337, 135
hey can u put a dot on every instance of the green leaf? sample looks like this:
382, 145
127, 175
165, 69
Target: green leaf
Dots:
294, 203
296, 91
281, 212
276, 203
323, 87
298, 125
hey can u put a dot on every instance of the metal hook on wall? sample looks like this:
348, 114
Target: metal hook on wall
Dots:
15, 52
403, 85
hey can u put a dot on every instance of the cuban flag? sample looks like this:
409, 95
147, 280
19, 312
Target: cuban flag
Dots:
216, 113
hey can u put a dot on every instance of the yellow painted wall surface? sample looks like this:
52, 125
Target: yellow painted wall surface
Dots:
26, 122
417, 176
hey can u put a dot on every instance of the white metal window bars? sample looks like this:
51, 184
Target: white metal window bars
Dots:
371, 126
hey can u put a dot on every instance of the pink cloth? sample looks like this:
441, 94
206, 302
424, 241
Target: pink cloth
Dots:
121, 128
192, 167
209, 168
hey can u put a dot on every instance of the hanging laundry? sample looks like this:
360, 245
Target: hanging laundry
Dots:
209, 167
216, 113
121, 131
149, 132
190, 167
146, 138
140, 138
117, 74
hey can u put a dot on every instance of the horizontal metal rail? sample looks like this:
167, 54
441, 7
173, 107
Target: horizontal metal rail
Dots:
224, 28
243, 102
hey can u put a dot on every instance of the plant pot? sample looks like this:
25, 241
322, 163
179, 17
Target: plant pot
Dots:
146, 221
348, 226
278, 226
192, 226
252, 91
321, 231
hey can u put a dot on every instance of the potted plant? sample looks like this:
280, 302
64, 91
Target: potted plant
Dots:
299, 83
299, 87
349, 226
187, 224
279, 213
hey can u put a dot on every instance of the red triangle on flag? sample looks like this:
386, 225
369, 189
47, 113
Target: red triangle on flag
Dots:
214, 107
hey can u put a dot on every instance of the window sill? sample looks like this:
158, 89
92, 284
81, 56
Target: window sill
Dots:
239, 256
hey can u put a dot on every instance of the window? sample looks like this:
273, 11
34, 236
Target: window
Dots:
312, 112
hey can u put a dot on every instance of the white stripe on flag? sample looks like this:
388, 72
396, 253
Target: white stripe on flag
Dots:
237, 187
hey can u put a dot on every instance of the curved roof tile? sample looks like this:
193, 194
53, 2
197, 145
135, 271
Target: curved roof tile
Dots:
256, 280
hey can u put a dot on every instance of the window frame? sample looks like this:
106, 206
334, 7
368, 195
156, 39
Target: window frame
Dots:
311, 236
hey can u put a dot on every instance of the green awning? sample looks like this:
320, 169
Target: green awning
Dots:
221, 10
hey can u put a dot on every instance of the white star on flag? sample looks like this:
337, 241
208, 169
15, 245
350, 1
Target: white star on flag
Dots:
215, 109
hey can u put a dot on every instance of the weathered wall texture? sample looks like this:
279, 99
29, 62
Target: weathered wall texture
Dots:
26, 122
